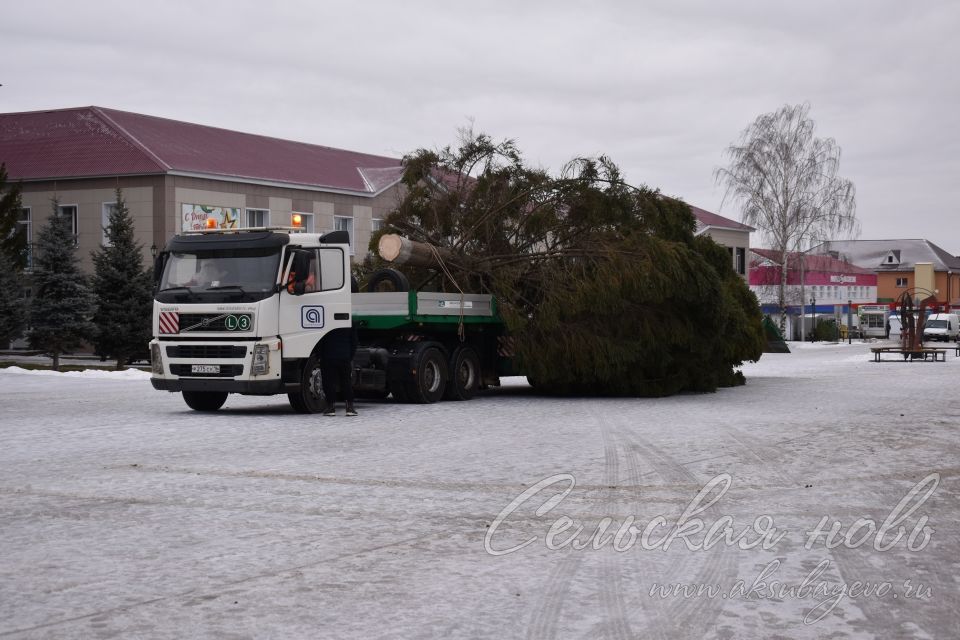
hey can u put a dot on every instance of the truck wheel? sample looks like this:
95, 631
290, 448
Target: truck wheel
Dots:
309, 399
297, 403
387, 280
204, 400
431, 378
464, 374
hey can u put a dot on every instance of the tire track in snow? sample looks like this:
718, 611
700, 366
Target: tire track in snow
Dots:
634, 480
769, 457
549, 607
720, 563
616, 624
546, 614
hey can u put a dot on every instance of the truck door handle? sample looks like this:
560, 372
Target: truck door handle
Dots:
341, 316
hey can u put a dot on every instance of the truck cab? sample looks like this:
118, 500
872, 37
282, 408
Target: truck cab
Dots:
230, 308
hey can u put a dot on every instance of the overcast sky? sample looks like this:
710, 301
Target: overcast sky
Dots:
661, 87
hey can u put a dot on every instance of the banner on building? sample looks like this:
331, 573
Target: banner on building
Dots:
195, 216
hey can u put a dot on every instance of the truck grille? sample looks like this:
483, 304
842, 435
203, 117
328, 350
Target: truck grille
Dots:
202, 351
215, 322
226, 371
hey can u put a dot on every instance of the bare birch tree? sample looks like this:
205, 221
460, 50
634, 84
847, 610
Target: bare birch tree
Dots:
785, 179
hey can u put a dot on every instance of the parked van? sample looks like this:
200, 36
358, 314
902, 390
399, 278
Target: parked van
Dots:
942, 326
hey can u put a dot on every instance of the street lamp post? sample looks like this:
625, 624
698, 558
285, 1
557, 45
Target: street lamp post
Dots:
849, 321
813, 316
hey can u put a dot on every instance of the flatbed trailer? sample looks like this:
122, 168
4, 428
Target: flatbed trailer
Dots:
248, 312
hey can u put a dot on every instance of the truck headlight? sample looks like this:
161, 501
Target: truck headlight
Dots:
156, 361
261, 359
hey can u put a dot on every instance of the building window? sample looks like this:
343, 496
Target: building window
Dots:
902, 283
106, 210
741, 265
258, 218
343, 223
306, 221
68, 214
376, 224
27, 226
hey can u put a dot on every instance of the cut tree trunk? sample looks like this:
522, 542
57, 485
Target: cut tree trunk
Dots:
400, 250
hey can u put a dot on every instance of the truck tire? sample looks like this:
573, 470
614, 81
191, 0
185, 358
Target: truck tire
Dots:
430, 381
464, 374
309, 398
387, 280
206, 401
297, 403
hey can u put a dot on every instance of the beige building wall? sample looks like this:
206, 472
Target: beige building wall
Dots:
282, 203
925, 279
90, 198
156, 205
735, 240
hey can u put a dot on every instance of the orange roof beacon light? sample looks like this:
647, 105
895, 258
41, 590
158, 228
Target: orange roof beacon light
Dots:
296, 220
211, 223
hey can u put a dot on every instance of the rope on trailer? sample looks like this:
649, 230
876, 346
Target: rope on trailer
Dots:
461, 330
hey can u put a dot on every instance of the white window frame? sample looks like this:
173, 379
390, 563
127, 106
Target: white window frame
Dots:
105, 211
740, 261
266, 217
74, 220
28, 223
376, 224
337, 220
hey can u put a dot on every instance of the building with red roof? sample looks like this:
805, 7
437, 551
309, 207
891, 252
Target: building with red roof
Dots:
733, 235
174, 174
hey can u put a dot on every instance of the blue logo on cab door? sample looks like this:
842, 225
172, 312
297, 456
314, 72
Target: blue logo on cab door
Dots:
311, 317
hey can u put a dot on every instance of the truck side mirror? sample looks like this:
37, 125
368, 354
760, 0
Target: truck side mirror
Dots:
300, 270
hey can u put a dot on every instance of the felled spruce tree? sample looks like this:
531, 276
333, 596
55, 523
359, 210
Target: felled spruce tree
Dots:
122, 287
62, 305
604, 287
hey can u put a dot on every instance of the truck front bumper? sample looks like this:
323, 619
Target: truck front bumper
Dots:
254, 388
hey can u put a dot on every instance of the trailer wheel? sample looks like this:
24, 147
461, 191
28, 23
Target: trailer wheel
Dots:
464, 374
387, 280
309, 399
204, 400
430, 380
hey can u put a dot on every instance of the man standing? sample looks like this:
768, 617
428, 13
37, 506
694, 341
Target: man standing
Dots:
337, 352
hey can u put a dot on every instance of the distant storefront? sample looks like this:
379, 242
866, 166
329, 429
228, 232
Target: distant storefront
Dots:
817, 286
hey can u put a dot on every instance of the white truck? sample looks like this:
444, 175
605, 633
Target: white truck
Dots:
942, 326
245, 311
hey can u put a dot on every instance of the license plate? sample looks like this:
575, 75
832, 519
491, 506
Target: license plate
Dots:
205, 368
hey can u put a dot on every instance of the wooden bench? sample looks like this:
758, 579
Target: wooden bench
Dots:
925, 353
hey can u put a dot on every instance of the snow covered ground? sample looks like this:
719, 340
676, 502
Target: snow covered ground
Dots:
124, 514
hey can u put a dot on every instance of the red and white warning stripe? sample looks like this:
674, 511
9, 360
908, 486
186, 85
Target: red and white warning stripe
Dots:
169, 322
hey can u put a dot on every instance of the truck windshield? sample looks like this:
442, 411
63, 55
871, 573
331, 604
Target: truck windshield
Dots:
244, 275
936, 324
